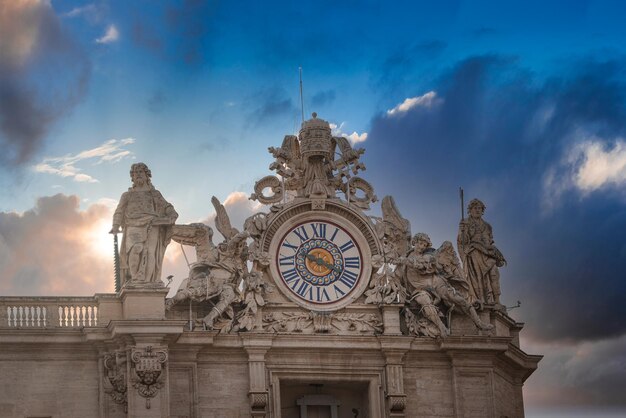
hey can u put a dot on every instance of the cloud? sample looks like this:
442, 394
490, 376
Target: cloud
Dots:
601, 165
583, 373
426, 100
111, 35
354, 137
92, 12
56, 248
37, 87
110, 151
502, 133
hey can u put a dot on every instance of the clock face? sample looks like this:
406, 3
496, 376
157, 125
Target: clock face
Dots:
319, 263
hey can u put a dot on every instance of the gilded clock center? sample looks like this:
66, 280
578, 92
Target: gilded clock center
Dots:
319, 262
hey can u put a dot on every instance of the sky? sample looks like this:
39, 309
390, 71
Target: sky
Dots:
522, 103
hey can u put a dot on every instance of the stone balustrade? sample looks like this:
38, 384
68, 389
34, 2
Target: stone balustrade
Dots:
56, 312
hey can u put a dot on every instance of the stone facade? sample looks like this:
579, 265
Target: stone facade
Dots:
341, 314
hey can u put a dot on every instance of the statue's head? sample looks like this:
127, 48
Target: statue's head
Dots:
421, 238
476, 208
140, 174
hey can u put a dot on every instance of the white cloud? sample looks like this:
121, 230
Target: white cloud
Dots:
601, 166
88, 10
354, 137
111, 35
110, 151
426, 100
593, 163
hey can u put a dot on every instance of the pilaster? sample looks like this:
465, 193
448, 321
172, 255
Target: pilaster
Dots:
394, 350
256, 346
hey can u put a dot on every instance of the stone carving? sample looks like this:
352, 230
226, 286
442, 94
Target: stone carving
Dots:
258, 401
397, 403
115, 378
429, 282
146, 220
148, 366
219, 271
394, 232
481, 258
308, 166
310, 322
215, 277
434, 277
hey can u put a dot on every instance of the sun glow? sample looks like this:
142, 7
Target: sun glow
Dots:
100, 240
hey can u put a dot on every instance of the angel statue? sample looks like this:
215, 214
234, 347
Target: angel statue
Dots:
395, 232
434, 277
219, 269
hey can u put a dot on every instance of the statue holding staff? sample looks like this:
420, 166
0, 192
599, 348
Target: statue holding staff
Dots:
146, 220
481, 258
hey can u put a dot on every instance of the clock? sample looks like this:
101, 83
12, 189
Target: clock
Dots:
320, 262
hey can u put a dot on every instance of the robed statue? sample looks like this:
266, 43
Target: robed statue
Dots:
145, 218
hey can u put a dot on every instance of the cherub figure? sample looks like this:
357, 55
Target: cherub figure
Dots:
428, 274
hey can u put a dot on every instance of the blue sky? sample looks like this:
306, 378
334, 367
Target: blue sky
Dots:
521, 103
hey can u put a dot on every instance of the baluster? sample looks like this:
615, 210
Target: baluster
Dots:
74, 311
20, 314
38, 316
83, 314
95, 316
63, 316
4, 317
11, 316
90, 315
44, 314
27, 316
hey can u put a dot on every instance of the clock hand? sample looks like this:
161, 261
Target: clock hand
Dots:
321, 262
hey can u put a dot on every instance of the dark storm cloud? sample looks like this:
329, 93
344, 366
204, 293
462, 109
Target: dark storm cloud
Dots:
43, 75
500, 131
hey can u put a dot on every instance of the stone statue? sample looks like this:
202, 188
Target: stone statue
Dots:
216, 276
146, 220
481, 258
426, 270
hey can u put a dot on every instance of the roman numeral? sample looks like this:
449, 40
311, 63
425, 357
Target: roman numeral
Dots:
353, 262
306, 291
286, 260
301, 233
321, 294
289, 275
334, 234
319, 230
345, 247
288, 245
337, 291
348, 278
